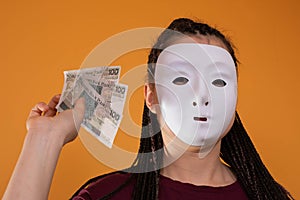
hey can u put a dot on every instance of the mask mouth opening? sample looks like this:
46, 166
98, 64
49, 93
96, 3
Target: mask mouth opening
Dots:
201, 119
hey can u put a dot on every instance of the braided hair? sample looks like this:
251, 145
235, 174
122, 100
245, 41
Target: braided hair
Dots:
237, 149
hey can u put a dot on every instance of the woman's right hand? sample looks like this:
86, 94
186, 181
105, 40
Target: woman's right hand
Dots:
48, 131
44, 119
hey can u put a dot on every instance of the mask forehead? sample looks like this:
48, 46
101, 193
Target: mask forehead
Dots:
204, 58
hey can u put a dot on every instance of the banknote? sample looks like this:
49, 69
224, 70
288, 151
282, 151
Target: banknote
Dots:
101, 125
66, 97
118, 97
98, 77
105, 120
104, 99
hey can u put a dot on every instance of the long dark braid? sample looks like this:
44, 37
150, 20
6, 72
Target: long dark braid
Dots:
237, 149
149, 159
239, 152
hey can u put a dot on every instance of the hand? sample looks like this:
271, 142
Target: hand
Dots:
47, 133
43, 119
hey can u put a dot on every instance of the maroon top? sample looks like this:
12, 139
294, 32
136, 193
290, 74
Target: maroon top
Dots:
168, 189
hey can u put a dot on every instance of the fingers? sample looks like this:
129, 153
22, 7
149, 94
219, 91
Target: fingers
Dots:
52, 104
38, 109
48, 110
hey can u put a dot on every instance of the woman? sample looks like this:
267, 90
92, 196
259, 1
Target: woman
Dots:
196, 170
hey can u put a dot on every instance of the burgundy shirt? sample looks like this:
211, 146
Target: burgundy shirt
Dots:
168, 189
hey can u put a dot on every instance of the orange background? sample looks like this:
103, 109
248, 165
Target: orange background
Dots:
39, 40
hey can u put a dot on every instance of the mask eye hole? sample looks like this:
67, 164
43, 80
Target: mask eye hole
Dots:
219, 83
180, 80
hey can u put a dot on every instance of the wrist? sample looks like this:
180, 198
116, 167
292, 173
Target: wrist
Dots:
51, 139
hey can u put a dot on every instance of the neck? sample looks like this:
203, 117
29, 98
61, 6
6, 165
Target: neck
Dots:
210, 170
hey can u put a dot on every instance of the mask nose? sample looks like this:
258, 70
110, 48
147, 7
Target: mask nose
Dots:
202, 94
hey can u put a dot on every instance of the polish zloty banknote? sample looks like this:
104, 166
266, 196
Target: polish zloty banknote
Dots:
105, 120
70, 90
104, 99
66, 98
98, 77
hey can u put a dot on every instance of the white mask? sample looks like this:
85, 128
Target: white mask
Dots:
196, 87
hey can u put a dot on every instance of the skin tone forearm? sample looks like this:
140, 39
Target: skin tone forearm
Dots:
35, 168
47, 134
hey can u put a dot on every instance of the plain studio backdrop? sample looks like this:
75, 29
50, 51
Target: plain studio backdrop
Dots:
39, 40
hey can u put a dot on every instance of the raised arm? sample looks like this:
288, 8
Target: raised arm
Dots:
47, 134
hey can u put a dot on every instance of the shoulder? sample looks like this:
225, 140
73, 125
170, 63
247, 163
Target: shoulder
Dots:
107, 184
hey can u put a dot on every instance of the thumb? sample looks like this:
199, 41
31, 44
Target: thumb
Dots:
78, 112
